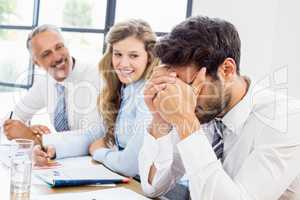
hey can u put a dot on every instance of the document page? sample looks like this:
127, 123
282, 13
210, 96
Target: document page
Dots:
106, 194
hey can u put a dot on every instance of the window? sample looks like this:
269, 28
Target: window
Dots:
14, 57
16, 12
88, 47
84, 24
15, 66
73, 13
162, 15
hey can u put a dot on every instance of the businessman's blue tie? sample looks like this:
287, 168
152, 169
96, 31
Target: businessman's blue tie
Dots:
218, 143
60, 114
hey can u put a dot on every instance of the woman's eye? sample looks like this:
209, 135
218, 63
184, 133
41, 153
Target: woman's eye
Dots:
133, 56
117, 54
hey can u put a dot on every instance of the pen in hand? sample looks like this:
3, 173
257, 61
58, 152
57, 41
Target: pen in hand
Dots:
11, 114
40, 156
3, 127
43, 156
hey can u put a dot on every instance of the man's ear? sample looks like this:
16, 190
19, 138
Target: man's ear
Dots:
227, 70
34, 61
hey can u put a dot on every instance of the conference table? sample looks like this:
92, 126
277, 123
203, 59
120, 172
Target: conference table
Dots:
41, 189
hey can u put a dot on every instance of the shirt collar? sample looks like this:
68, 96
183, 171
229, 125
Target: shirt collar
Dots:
237, 116
132, 88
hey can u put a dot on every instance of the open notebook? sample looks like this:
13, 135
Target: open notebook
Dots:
79, 171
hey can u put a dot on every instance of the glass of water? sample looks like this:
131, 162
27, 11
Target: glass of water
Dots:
20, 171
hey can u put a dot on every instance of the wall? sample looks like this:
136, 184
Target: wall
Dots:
270, 34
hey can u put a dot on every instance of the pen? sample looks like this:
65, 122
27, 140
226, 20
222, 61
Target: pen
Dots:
11, 114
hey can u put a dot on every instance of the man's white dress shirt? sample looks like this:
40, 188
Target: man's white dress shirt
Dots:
82, 87
261, 158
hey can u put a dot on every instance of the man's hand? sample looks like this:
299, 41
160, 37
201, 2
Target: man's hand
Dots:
161, 76
98, 144
158, 82
17, 129
40, 129
40, 157
177, 103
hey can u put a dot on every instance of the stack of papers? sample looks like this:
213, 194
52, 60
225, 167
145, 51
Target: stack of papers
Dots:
107, 194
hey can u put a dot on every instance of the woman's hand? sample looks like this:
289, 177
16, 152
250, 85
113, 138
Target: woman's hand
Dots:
98, 144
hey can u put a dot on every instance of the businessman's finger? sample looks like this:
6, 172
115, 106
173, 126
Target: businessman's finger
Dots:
50, 151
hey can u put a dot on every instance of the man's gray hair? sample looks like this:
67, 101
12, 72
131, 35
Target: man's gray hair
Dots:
40, 29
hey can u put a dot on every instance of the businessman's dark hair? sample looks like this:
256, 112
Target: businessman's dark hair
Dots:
203, 41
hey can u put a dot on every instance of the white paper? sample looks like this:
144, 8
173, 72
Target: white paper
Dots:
106, 194
78, 173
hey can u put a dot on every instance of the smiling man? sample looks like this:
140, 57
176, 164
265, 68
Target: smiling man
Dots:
49, 52
68, 90
231, 139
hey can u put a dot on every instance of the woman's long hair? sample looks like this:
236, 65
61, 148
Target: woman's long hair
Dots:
110, 97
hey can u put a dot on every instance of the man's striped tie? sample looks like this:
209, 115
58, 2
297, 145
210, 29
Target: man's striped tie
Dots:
60, 114
218, 144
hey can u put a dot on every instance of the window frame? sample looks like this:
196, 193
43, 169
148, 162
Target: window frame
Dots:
109, 22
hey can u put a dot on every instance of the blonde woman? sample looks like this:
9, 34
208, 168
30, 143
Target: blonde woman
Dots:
126, 64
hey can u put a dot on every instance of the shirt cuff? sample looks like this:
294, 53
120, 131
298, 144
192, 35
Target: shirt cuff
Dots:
196, 152
158, 150
100, 154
